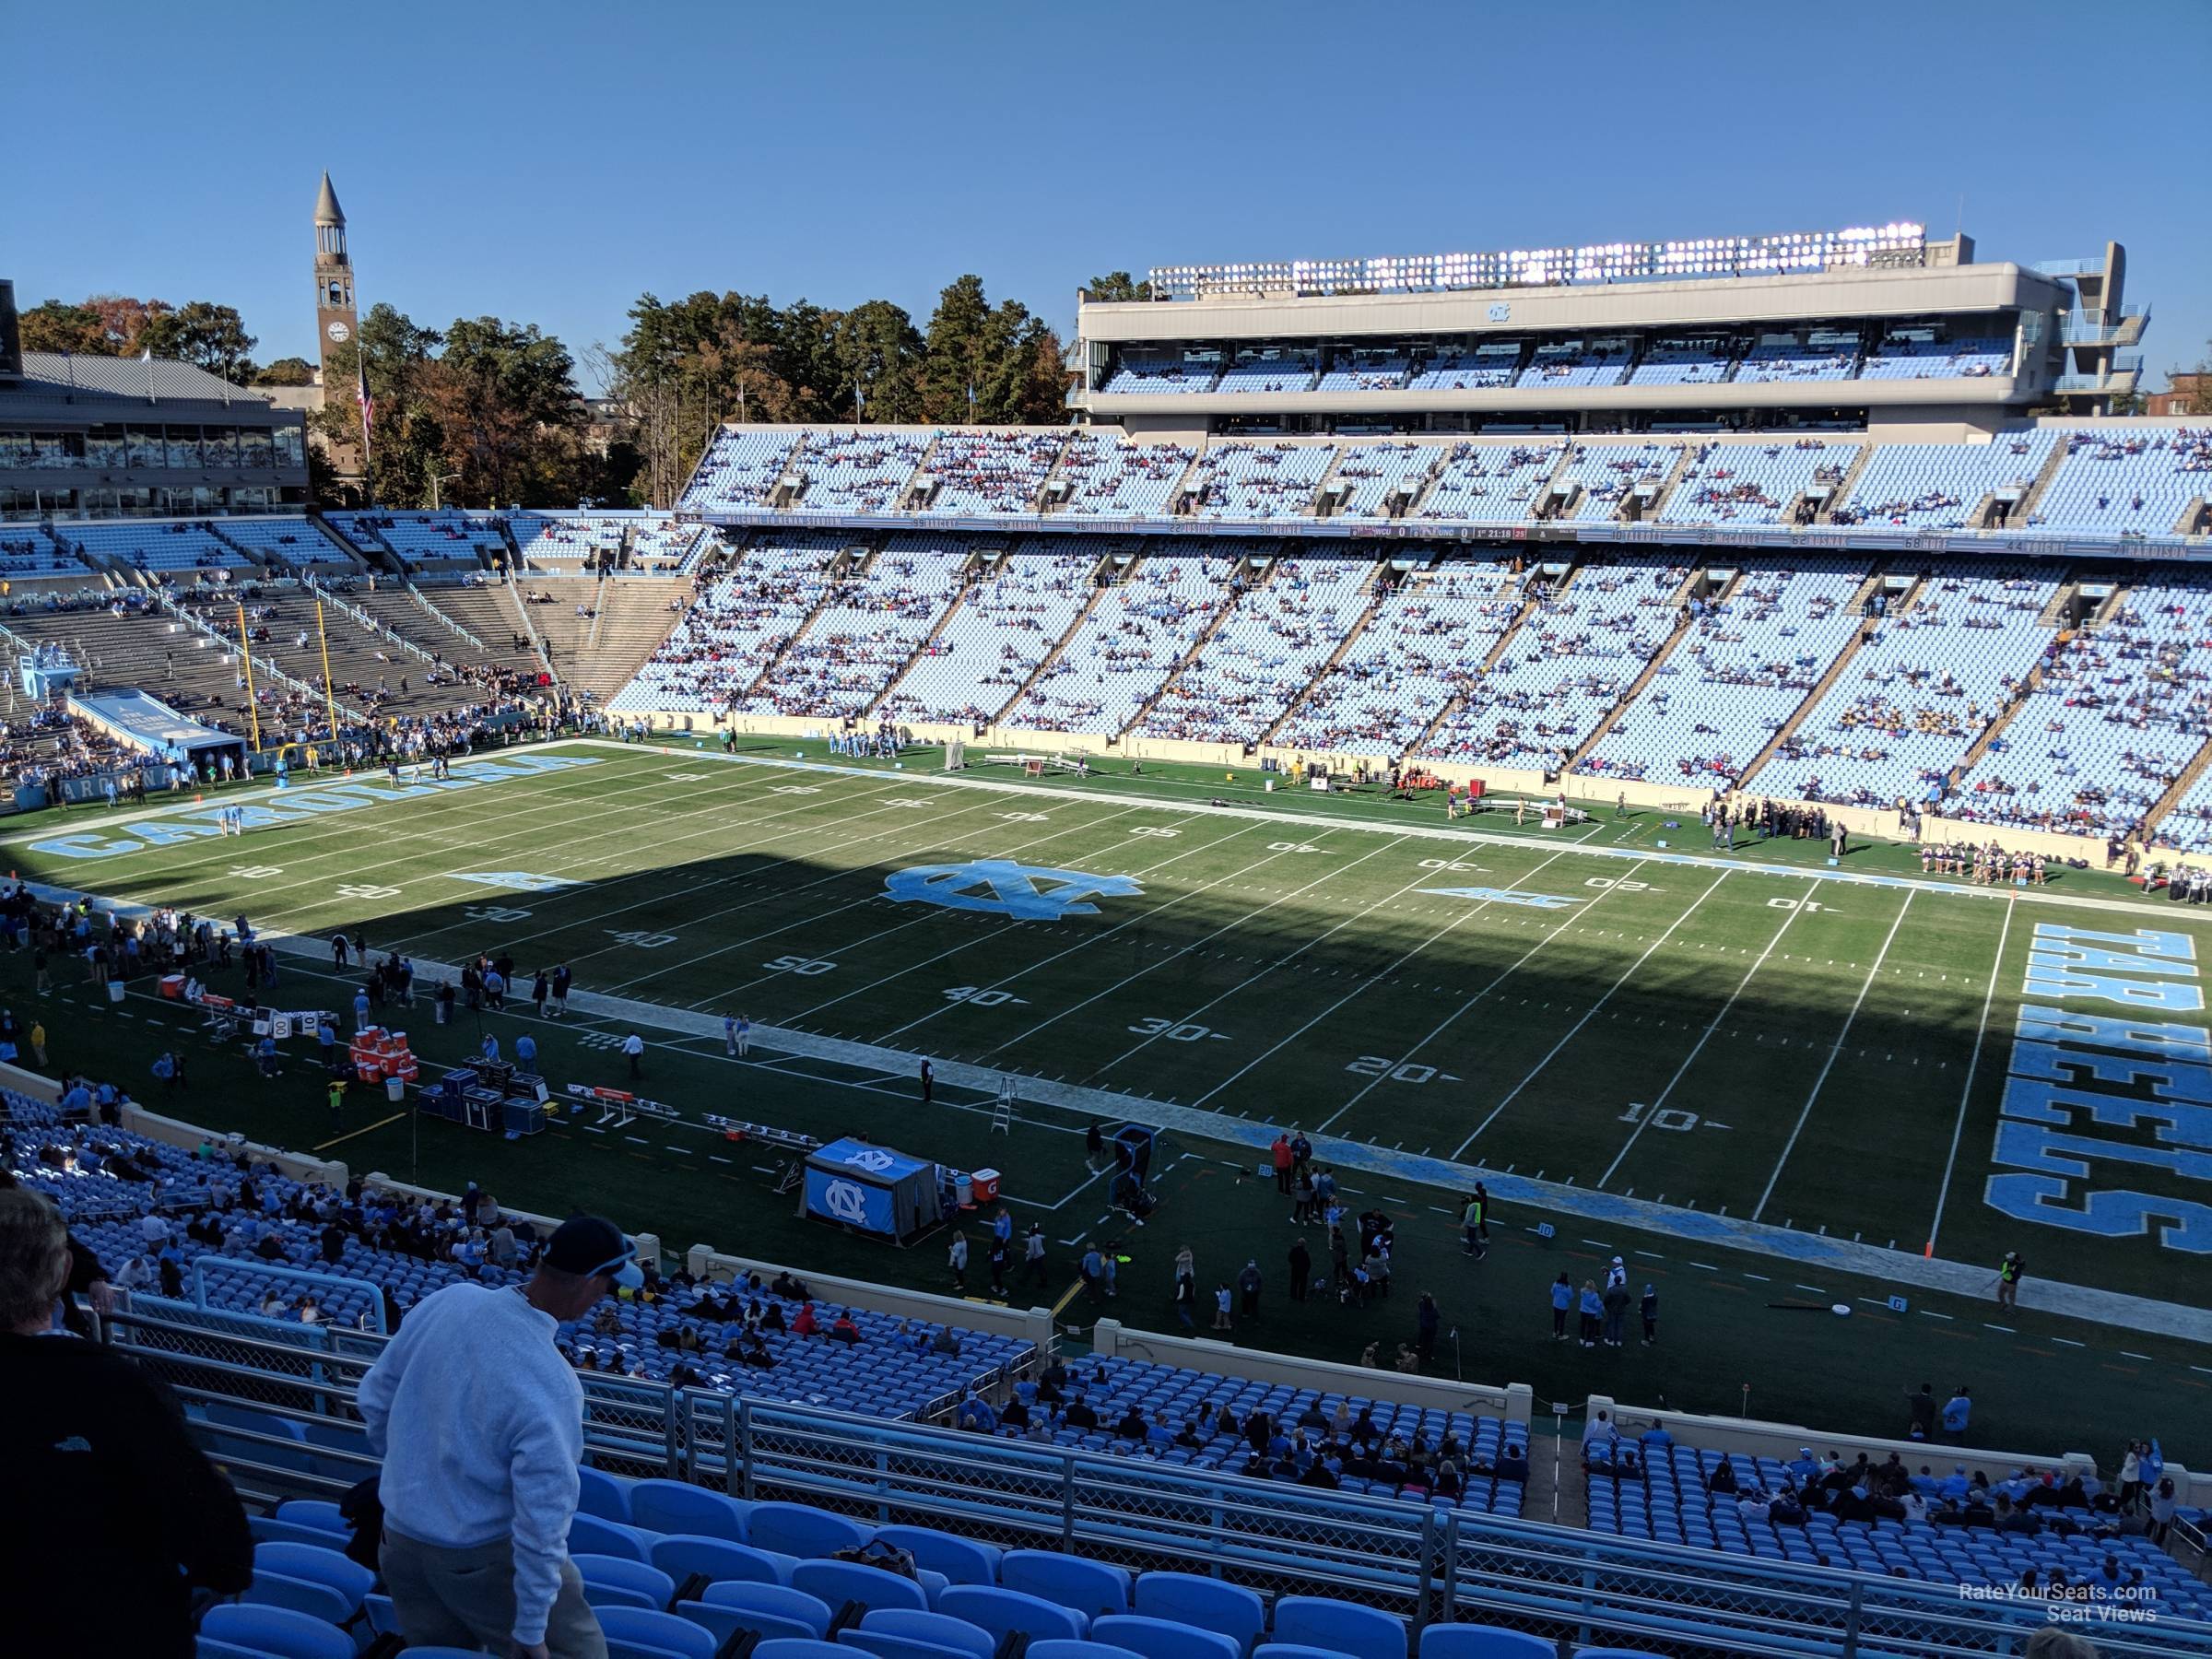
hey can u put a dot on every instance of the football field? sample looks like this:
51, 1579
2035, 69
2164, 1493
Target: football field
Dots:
1613, 1010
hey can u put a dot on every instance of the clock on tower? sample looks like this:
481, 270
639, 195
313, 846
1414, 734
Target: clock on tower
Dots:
335, 321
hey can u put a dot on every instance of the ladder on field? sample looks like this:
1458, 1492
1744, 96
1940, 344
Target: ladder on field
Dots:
1001, 1115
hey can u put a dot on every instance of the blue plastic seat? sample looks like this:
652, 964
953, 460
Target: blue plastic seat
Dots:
589, 1534
796, 1530
320, 1564
265, 1529
206, 1647
883, 1644
1483, 1642
1293, 1650
838, 1583
1164, 1639
317, 1601
800, 1648
1060, 1648
1187, 1598
936, 1629
999, 1611
1341, 1627
278, 1631
638, 1625
600, 1494
1094, 1588
683, 1555
314, 1512
676, 1506
618, 1582
963, 1560
727, 1622
781, 1600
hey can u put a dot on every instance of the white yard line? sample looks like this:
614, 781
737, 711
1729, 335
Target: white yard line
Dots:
1275, 1048
1085, 944
1704, 1037
1129, 979
1246, 985
1834, 1053
1514, 1093
1966, 1093
926, 914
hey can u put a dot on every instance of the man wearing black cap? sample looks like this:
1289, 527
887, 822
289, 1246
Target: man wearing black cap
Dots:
480, 1424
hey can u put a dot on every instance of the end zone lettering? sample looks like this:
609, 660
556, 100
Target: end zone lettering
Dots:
295, 806
2084, 1086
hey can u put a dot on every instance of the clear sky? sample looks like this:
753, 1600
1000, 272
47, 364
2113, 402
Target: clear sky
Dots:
549, 161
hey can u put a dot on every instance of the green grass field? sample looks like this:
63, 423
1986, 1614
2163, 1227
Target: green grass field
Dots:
1585, 1007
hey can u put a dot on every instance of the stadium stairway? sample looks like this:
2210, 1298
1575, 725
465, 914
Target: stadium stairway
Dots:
1850, 481
1529, 604
2174, 797
1198, 645
634, 615
1376, 594
1836, 670
1684, 623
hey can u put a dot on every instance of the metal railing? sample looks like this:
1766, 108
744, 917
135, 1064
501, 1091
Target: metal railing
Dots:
1421, 1562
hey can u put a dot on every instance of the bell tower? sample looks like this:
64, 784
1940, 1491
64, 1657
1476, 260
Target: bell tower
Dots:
336, 321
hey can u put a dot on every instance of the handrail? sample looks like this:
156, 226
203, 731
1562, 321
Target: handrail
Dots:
367, 621
1412, 1559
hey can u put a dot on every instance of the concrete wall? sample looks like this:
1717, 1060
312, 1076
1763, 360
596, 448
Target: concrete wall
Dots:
1782, 1442
1513, 1401
1029, 1324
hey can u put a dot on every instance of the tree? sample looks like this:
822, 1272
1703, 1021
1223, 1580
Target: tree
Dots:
208, 336
124, 318
396, 352
59, 326
505, 396
286, 372
877, 347
953, 354
2200, 394
1116, 286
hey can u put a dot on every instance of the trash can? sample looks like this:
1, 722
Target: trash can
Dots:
395, 1089
983, 1184
115, 991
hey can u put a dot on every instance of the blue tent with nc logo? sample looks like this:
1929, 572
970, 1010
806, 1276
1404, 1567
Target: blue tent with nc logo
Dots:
871, 1189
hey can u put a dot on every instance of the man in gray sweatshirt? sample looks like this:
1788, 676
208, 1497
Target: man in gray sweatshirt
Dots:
479, 1421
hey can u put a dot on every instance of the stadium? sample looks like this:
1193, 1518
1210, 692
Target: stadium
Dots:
1397, 990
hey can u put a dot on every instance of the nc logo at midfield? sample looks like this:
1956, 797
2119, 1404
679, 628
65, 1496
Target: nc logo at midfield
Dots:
1027, 892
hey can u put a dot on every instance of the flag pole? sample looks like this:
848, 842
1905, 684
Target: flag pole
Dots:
245, 654
323, 638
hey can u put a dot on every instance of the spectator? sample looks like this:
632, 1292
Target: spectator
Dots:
480, 1424
130, 1518
1958, 1411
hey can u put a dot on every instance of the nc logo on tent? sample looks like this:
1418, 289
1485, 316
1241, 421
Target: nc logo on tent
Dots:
875, 1159
845, 1201
517, 881
1503, 896
1027, 892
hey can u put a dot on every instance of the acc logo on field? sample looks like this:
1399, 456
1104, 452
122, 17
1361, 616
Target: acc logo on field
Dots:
1028, 892
518, 881
845, 1201
1504, 896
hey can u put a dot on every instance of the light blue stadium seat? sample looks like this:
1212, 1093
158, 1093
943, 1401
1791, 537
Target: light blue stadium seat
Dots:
676, 1506
1163, 1637
1075, 1650
999, 1611
318, 1601
318, 1563
279, 1632
963, 1560
800, 1648
884, 1646
620, 1649
639, 1625
618, 1582
588, 1535
1483, 1642
1293, 1650
384, 1618
683, 1555
1188, 1598
601, 1494
938, 1630
838, 1583
266, 1529
1094, 1588
793, 1529
206, 1647
314, 1512
811, 1612
1344, 1627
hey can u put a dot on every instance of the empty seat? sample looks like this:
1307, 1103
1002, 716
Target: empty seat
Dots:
276, 1631
780, 1600
999, 1611
796, 1530
837, 1582
642, 1627
800, 1648
715, 1558
601, 1494
1483, 1642
676, 1506
1187, 1598
1090, 1587
1164, 1639
885, 1645
590, 1535
963, 1560
728, 1623
1292, 1650
938, 1630
1341, 1627
637, 1584
319, 1563
302, 1596
1063, 1649
314, 1512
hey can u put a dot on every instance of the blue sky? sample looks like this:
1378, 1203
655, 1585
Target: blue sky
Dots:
547, 162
